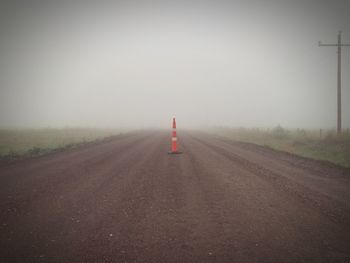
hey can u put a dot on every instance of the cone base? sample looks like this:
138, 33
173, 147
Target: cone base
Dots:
174, 152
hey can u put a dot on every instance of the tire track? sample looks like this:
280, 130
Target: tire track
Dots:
321, 202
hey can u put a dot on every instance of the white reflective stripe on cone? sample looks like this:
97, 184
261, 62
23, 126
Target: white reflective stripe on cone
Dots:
174, 139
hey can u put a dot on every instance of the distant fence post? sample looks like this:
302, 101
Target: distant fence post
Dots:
320, 133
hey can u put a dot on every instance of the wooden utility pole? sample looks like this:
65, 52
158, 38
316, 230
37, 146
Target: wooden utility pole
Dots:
339, 45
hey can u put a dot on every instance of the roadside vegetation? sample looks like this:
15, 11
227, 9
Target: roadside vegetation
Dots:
315, 144
15, 143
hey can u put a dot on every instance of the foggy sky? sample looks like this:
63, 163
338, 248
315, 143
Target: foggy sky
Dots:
138, 64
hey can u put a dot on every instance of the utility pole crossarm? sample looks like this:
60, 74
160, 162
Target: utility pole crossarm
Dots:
338, 45
332, 45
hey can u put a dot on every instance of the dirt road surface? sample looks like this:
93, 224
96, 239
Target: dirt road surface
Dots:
127, 200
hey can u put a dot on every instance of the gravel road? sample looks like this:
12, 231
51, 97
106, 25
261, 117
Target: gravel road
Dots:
127, 200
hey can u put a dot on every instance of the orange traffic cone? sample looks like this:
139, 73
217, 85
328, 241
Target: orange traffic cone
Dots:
174, 139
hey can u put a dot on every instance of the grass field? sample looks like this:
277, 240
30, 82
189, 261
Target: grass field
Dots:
307, 143
29, 142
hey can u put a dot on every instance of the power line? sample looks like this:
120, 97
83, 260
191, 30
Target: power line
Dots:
339, 45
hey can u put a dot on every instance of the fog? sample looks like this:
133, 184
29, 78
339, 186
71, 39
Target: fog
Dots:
138, 64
